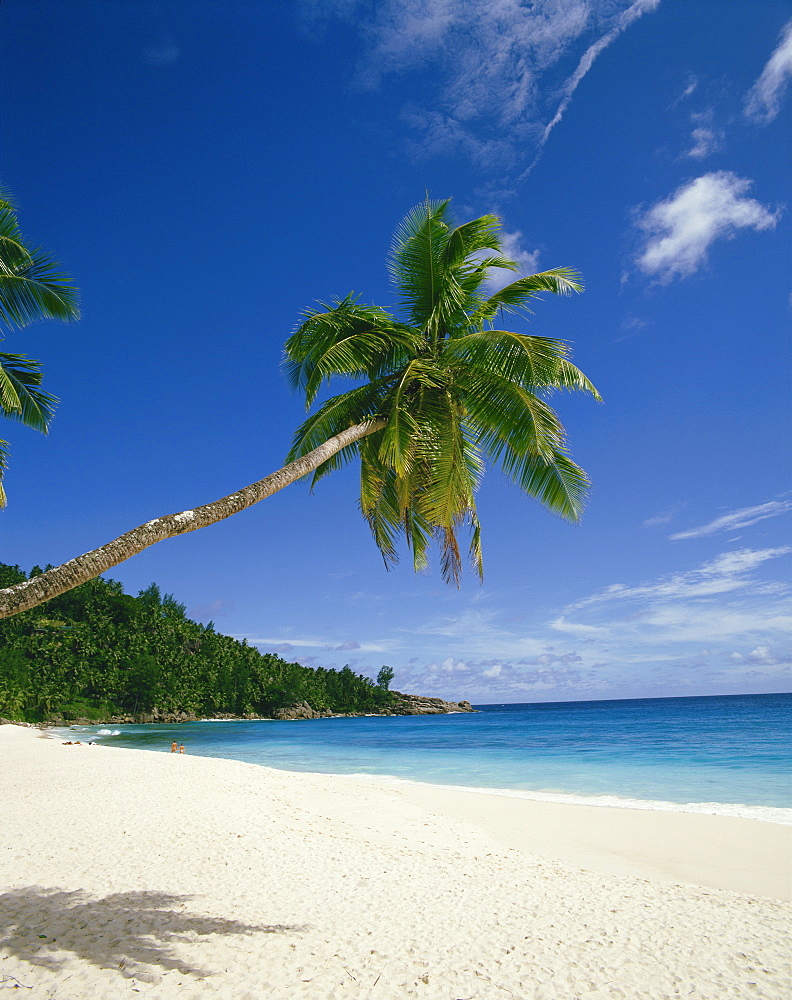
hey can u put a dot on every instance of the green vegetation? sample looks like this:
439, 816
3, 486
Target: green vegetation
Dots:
31, 288
97, 652
384, 677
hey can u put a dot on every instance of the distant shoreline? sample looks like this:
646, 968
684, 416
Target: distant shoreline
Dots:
401, 704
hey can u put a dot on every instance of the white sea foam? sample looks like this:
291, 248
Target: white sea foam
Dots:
235, 720
87, 732
767, 814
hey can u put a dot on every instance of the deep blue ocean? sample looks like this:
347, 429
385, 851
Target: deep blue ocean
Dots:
726, 754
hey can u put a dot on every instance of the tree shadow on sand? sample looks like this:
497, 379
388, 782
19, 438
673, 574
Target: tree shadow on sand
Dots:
129, 932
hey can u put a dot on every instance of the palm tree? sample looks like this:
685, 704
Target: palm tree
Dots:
443, 389
31, 288
453, 388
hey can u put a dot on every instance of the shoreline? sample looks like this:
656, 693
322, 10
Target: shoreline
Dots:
188, 876
780, 815
777, 815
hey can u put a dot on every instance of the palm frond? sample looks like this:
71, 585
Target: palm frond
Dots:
345, 339
503, 416
20, 396
561, 485
403, 404
450, 558
519, 430
472, 238
416, 261
451, 389
516, 296
379, 500
536, 363
475, 551
418, 533
32, 286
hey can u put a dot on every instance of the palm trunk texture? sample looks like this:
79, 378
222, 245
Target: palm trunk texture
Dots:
39, 589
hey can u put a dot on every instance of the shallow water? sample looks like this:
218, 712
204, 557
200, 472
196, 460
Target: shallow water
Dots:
726, 754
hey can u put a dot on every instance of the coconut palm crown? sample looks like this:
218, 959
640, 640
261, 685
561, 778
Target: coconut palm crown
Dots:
453, 388
31, 288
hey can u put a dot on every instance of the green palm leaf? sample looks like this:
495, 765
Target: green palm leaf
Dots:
21, 397
516, 296
345, 339
31, 288
31, 284
538, 363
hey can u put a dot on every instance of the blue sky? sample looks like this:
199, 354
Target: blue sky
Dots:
206, 171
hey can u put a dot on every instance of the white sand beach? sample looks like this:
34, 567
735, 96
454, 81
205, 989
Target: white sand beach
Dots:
127, 873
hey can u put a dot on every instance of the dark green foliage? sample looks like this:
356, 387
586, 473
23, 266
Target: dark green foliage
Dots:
96, 652
384, 677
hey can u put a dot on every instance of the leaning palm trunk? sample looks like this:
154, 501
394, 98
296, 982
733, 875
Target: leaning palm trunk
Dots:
39, 589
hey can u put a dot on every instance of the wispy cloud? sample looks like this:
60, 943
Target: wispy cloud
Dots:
706, 138
736, 519
763, 100
289, 643
679, 231
623, 20
691, 86
728, 572
162, 54
497, 89
664, 517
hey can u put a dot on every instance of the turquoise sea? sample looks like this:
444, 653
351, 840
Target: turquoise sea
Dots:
726, 754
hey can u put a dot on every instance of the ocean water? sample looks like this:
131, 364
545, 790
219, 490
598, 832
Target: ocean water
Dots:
726, 754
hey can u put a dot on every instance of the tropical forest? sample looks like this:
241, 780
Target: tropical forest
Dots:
97, 654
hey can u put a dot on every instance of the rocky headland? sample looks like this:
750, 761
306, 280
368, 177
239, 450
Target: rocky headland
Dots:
400, 704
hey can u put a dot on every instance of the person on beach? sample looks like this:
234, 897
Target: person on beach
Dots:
181, 748
174, 746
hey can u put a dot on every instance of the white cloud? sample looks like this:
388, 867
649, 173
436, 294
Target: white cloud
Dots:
736, 519
763, 100
577, 628
448, 666
680, 230
500, 89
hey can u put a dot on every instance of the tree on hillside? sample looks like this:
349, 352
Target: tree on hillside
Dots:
384, 677
443, 389
31, 288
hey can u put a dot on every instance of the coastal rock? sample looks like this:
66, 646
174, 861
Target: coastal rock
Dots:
300, 710
415, 704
